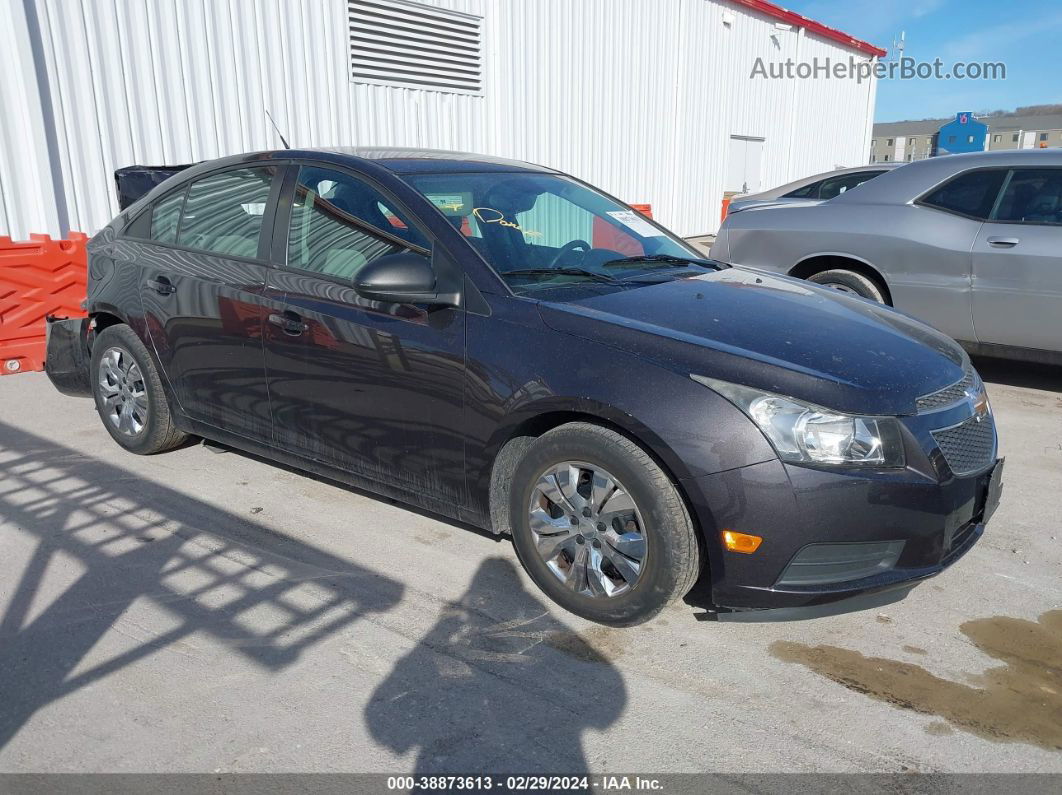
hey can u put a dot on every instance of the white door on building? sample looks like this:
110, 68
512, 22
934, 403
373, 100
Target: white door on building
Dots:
744, 171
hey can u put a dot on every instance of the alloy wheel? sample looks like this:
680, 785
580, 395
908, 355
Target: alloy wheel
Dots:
122, 390
587, 529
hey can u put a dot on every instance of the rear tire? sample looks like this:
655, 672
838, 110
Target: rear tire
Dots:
847, 281
616, 554
129, 394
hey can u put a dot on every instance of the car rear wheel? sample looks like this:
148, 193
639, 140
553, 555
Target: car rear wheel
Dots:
129, 395
600, 527
847, 281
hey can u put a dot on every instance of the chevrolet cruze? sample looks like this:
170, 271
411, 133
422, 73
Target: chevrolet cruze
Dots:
505, 345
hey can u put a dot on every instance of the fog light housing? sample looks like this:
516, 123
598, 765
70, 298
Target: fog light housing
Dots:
820, 564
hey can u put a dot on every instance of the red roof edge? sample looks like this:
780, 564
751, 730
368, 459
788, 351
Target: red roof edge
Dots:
784, 14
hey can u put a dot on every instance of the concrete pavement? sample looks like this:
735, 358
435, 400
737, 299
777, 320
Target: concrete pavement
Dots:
198, 611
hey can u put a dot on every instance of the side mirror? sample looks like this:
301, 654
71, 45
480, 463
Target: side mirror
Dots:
404, 278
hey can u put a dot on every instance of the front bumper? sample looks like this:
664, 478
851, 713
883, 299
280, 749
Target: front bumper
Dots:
797, 510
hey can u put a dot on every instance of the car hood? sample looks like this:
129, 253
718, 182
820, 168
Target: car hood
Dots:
774, 333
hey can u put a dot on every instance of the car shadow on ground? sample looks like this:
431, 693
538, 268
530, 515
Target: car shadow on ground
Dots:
498, 684
1022, 374
131, 539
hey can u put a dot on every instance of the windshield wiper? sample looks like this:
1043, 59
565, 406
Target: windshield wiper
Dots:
597, 277
667, 259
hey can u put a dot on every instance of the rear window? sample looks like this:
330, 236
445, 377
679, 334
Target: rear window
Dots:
972, 194
223, 212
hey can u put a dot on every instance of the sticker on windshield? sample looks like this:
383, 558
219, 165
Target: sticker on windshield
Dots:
636, 223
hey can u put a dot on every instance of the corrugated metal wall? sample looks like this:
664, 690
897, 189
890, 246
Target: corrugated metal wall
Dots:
637, 96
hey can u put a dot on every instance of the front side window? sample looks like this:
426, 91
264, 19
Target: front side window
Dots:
971, 194
1032, 196
223, 212
528, 225
334, 223
165, 216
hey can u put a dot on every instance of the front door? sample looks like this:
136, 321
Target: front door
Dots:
1017, 264
364, 386
202, 283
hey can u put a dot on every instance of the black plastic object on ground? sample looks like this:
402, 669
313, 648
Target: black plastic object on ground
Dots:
134, 181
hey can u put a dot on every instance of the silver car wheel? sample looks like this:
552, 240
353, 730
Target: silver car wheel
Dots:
587, 529
841, 288
122, 390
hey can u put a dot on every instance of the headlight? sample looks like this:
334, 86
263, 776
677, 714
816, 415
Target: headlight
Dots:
807, 434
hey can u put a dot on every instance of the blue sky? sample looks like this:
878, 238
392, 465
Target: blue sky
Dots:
1024, 34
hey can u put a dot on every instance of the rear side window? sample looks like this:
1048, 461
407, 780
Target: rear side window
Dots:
972, 194
223, 212
1032, 196
807, 192
332, 222
835, 186
165, 216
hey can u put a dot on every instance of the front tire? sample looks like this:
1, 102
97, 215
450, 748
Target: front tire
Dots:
129, 395
850, 282
599, 527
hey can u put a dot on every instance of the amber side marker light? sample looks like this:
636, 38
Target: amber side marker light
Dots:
741, 542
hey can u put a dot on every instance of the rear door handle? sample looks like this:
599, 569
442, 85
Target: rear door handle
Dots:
1003, 242
162, 285
289, 322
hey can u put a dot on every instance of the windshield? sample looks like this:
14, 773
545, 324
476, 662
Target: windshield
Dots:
545, 230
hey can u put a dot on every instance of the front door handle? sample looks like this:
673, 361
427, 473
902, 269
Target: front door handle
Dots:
289, 322
162, 285
1003, 242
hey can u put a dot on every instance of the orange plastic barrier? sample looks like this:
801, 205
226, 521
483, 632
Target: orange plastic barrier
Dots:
38, 278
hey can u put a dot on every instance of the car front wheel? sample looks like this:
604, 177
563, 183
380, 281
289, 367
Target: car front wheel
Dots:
129, 395
600, 527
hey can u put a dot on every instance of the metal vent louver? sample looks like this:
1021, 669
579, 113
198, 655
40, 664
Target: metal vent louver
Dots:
399, 43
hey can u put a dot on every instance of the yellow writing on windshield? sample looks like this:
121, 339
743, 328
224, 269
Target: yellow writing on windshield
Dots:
488, 215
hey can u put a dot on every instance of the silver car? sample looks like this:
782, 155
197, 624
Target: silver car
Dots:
813, 188
969, 243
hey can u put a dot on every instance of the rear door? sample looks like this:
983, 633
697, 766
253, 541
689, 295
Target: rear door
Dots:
1017, 264
369, 387
202, 283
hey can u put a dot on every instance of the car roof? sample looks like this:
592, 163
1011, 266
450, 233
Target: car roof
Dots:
400, 160
781, 190
917, 177
411, 160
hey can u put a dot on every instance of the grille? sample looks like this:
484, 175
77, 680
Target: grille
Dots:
946, 396
968, 447
400, 43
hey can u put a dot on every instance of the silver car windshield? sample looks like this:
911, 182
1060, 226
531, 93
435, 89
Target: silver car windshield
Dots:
543, 229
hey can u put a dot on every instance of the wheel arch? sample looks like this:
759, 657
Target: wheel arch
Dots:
817, 263
513, 439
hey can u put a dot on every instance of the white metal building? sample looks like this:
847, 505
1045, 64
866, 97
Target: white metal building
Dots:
650, 99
